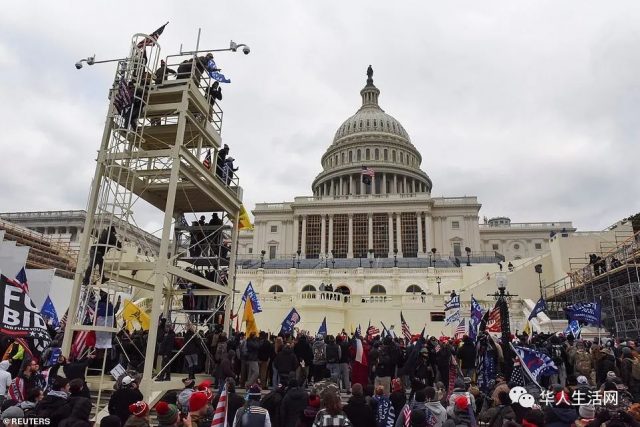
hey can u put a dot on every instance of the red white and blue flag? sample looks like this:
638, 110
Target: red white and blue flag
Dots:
152, 38
220, 414
405, 328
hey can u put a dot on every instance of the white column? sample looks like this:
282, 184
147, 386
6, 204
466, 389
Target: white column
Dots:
413, 185
404, 184
303, 242
350, 244
361, 186
341, 192
323, 231
420, 248
391, 245
399, 234
296, 220
330, 246
384, 183
395, 184
351, 191
370, 233
373, 185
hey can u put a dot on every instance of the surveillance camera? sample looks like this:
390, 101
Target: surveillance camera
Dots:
91, 60
233, 46
78, 65
246, 50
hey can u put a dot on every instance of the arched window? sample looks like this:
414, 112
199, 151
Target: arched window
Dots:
343, 290
276, 288
386, 154
350, 156
377, 154
359, 155
414, 289
308, 288
360, 124
335, 160
401, 157
375, 123
367, 154
378, 289
393, 156
342, 158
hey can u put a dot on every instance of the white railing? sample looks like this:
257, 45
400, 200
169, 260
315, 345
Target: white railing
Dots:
544, 225
516, 268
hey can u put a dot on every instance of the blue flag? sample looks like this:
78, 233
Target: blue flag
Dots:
539, 364
323, 327
251, 294
290, 321
358, 331
476, 318
540, 307
574, 329
212, 69
48, 311
453, 317
586, 312
453, 303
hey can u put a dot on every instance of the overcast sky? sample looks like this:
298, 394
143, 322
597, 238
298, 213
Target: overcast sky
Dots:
534, 107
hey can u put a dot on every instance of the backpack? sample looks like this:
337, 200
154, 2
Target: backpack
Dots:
635, 368
556, 354
583, 362
319, 354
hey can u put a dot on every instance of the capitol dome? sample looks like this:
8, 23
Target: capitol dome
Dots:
374, 140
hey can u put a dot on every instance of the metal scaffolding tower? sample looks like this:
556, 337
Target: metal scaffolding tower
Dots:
157, 132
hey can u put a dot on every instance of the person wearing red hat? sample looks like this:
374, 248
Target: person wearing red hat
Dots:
198, 406
309, 415
169, 416
139, 415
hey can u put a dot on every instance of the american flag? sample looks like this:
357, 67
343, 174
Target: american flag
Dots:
21, 280
367, 174
220, 414
495, 322
460, 330
83, 340
406, 414
358, 331
372, 331
517, 377
152, 39
405, 328
124, 97
207, 160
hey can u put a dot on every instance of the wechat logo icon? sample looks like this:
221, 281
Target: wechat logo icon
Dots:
519, 395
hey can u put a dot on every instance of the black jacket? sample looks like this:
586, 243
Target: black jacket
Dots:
303, 351
285, 361
54, 408
167, 344
359, 412
272, 402
120, 401
252, 349
467, 355
293, 404
79, 414
265, 351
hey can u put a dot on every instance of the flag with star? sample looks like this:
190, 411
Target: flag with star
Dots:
20, 317
517, 376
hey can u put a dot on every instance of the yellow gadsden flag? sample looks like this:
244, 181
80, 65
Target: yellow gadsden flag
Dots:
249, 318
244, 222
132, 315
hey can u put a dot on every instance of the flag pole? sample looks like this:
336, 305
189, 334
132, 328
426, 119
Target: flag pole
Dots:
600, 322
525, 367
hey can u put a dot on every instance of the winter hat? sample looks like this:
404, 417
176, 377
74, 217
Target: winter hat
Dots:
314, 400
111, 421
396, 385
197, 401
582, 380
189, 382
462, 403
587, 411
167, 414
126, 380
12, 412
139, 409
611, 375
204, 387
254, 391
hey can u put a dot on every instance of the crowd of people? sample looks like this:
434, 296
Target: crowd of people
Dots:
342, 380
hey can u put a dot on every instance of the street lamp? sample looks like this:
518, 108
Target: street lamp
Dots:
395, 257
326, 260
333, 263
299, 252
438, 281
361, 256
293, 261
433, 253
262, 253
468, 251
538, 269
502, 297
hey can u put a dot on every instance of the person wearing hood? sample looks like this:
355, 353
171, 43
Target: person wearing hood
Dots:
55, 405
310, 412
225, 368
561, 414
139, 415
467, 355
126, 395
460, 389
425, 402
285, 363
319, 358
358, 410
293, 404
79, 414
496, 416
334, 353
5, 379
272, 402
304, 353
461, 414
10, 414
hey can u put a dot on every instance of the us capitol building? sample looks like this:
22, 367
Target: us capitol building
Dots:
384, 247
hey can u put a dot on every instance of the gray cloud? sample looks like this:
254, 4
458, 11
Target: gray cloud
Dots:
530, 106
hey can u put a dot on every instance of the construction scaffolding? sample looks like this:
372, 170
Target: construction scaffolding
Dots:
157, 133
614, 281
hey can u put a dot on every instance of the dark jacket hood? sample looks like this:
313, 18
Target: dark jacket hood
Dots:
81, 408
